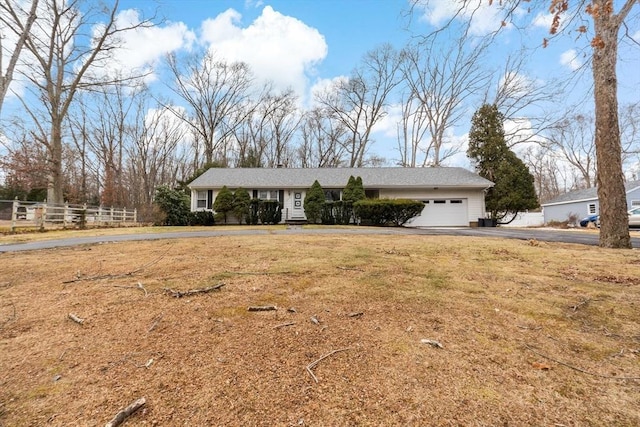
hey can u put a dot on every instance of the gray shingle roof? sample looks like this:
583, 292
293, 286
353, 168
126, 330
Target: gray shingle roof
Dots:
338, 177
586, 194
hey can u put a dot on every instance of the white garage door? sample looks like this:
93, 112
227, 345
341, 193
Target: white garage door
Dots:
442, 213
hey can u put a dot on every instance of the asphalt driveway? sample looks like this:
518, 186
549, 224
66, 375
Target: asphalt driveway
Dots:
546, 235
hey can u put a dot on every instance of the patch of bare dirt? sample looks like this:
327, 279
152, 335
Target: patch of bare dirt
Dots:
527, 337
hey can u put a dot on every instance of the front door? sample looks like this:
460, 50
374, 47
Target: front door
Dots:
298, 208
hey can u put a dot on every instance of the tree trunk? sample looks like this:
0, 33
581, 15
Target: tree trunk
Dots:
55, 185
614, 229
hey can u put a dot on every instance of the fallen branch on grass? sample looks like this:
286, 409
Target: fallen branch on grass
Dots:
258, 273
156, 320
76, 319
282, 325
575, 368
140, 286
126, 412
180, 294
313, 364
580, 304
262, 308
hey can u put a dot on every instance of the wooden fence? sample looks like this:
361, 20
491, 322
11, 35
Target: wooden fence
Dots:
45, 215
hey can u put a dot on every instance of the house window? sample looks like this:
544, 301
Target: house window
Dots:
440, 202
592, 208
202, 199
268, 194
635, 203
456, 201
332, 195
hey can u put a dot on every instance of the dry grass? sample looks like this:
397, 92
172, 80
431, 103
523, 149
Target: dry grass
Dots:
533, 333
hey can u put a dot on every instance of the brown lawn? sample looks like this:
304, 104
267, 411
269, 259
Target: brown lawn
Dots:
531, 333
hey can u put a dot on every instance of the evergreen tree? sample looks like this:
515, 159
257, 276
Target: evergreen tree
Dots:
223, 203
314, 202
354, 190
347, 193
173, 204
514, 189
358, 190
241, 203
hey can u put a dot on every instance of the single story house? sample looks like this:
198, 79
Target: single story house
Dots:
582, 203
452, 196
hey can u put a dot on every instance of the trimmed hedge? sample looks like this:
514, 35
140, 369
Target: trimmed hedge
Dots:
264, 212
201, 218
338, 212
386, 211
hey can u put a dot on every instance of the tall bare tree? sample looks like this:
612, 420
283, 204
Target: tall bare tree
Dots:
607, 18
442, 73
551, 178
283, 124
156, 153
360, 101
573, 138
18, 21
66, 61
217, 95
321, 140
524, 101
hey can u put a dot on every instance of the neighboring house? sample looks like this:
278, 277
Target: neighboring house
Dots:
582, 203
452, 196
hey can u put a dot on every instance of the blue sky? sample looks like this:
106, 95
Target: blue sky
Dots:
306, 43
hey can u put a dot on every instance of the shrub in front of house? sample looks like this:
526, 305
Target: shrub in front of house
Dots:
326, 216
201, 218
314, 203
264, 212
223, 204
337, 212
241, 205
254, 210
173, 205
386, 211
269, 211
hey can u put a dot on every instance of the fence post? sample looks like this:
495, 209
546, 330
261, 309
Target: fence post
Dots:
111, 215
135, 215
14, 214
43, 214
64, 217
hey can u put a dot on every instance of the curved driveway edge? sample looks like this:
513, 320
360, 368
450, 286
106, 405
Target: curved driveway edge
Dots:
545, 235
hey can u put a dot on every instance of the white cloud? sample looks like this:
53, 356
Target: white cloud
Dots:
278, 48
142, 48
324, 85
570, 59
485, 17
543, 20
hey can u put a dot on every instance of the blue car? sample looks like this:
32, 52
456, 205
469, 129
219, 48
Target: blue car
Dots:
591, 218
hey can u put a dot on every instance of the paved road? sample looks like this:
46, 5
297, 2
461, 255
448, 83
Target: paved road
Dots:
566, 236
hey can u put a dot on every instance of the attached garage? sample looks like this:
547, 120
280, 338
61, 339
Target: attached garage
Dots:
443, 213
